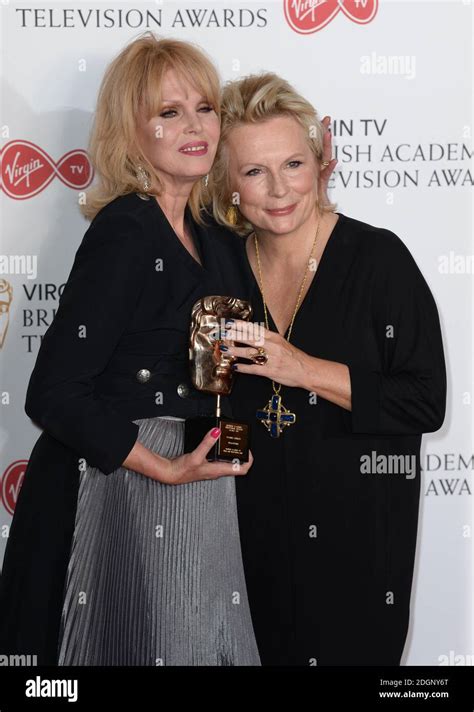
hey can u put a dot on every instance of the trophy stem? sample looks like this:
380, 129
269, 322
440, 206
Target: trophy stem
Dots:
218, 406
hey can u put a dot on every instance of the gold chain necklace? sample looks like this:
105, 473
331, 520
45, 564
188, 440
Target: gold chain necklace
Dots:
275, 416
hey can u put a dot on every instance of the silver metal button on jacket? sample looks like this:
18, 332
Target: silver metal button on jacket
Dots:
143, 375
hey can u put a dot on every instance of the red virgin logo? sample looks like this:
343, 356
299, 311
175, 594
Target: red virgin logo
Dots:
11, 484
307, 16
26, 170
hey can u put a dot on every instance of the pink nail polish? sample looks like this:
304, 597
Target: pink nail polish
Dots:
216, 432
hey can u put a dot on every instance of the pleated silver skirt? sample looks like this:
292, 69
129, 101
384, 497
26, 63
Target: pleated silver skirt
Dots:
155, 575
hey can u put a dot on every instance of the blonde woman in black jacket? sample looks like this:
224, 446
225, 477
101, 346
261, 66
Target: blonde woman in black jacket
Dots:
120, 553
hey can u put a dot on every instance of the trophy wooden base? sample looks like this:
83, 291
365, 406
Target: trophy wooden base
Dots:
233, 443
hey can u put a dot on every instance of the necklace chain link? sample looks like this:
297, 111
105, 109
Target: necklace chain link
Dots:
300, 294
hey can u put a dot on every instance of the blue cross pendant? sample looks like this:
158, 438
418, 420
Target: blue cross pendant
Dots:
275, 416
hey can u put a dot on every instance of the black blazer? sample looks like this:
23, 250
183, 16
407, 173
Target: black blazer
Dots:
117, 349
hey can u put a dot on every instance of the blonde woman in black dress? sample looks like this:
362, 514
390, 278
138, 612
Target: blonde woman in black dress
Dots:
341, 375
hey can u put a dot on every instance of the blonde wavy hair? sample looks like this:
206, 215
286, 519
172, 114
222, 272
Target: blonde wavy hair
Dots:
254, 99
131, 81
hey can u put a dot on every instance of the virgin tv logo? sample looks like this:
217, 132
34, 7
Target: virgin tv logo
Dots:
307, 16
26, 169
12, 481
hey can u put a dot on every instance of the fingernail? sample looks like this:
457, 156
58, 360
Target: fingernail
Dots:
229, 322
215, 433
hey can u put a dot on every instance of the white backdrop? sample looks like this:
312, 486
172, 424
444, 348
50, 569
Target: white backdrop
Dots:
396, 78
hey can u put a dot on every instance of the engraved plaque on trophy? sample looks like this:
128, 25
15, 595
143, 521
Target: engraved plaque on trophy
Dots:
211, 372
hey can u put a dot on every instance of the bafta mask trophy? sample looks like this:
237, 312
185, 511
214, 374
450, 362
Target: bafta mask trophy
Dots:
211, 371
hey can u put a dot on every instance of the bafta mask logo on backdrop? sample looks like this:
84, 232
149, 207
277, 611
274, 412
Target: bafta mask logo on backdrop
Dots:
6, 296
26, 170
12, 481
307, 16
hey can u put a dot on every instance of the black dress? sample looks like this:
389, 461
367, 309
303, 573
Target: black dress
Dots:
328, 540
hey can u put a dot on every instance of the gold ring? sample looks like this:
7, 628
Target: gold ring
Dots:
260, 357
325, 163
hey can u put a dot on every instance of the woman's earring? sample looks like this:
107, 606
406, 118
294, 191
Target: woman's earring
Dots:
231, 215
206, 180
143, 178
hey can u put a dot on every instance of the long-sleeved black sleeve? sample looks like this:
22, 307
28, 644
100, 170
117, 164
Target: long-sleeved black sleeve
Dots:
407, 396
98, 301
